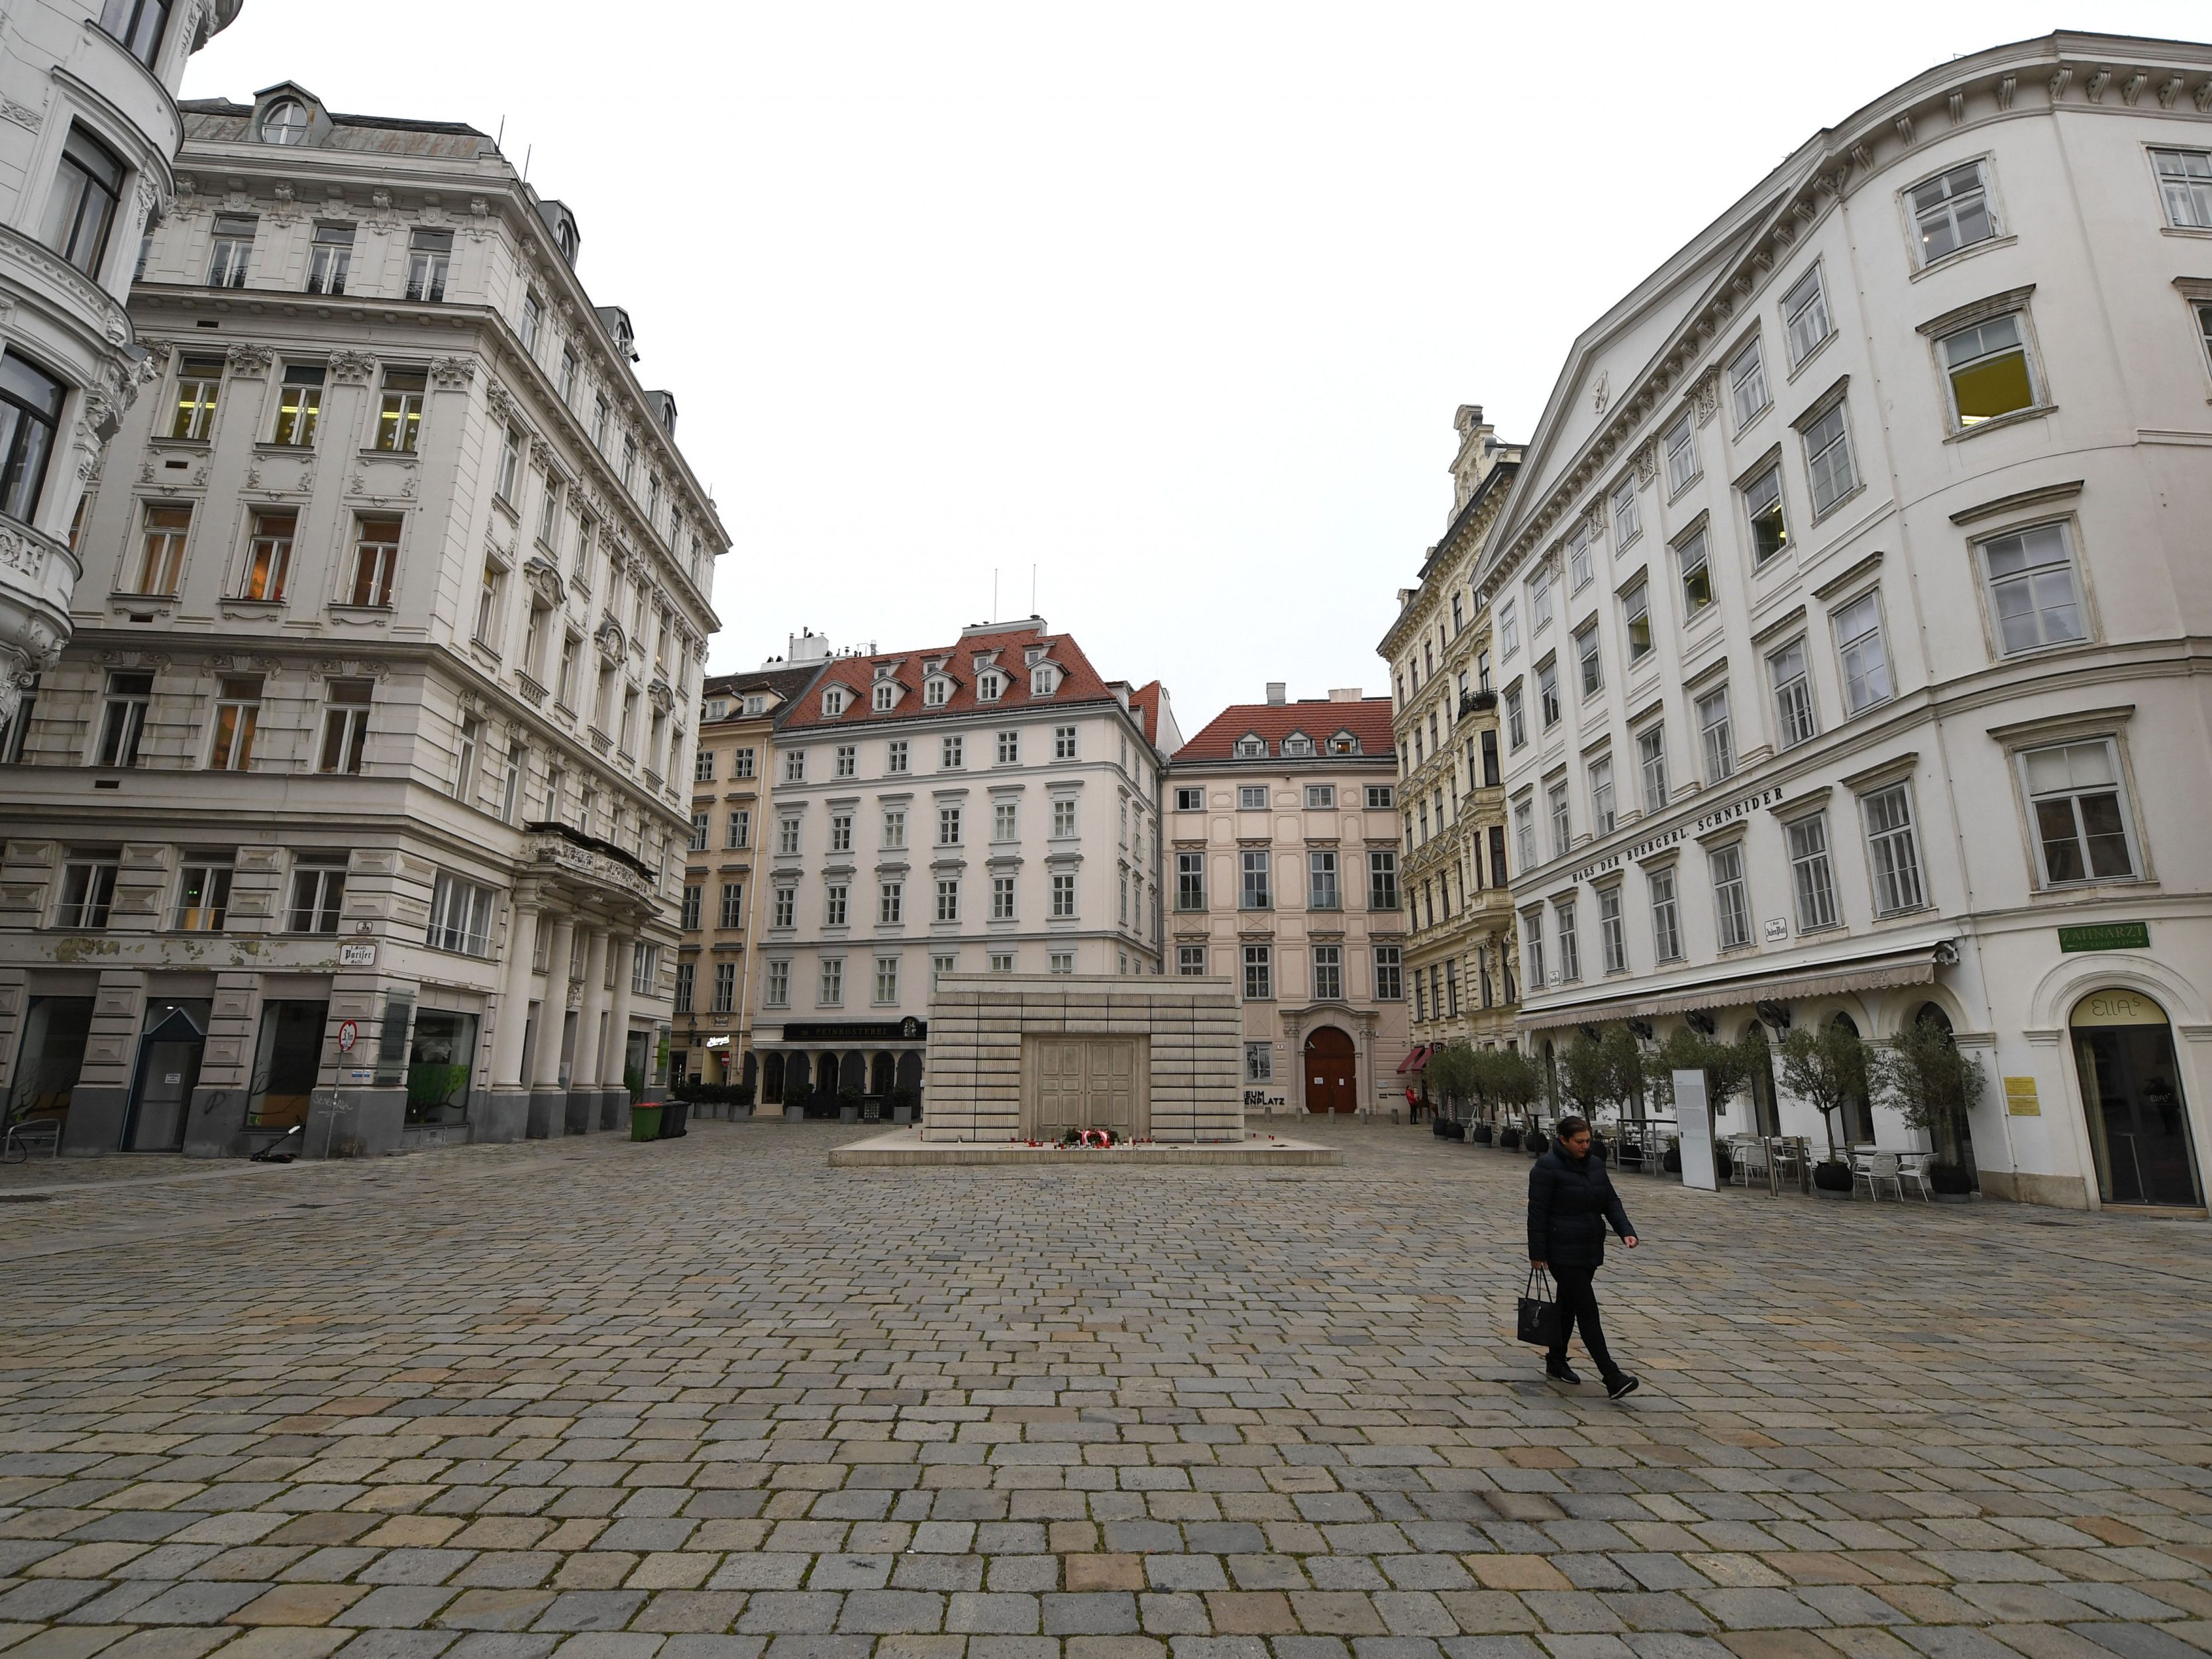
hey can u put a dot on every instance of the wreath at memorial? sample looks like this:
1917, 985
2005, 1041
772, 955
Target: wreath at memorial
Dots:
1097, 1137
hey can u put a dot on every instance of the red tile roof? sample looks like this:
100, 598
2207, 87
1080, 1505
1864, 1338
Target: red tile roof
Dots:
1079, 683
1144, 704
1368, 720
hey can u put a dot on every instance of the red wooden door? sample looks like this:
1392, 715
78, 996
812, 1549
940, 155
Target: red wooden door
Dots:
1332, 1072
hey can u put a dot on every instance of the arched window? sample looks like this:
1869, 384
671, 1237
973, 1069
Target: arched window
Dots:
284, 122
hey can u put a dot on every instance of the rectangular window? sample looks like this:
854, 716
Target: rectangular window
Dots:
948, 899
1061, 962
375, 560
1190, 881
1636, 619
1747, 395
1811, 881
846, 761
1381, 797
1666, 917
952, 754
886, 980
1005, 821
1866, 662
509, 484
1321, 889
1793, 695
1010, 747
237, 715
161, 554
702, 767
1539, 601
269, 555
645, 970
318, 893
460, 917
948, 826
1893, 850
1547, 693
895, 756
1321, 797
570, 364
346, 726
1517, 719
1805, 317
1259, 973
893, 828
329, 259
510, 794
1762, 506
1189, 800
775, 990
1002, 898
1679, 445
1329, 973
430, 260
732, 913
1602, 816
1578, 559
533, 318
1524, 835
1988, 371
399, 416
30, 412
1259, 1062
1509, 630
1389, 973
548, 534
2184, 182
1731, 898
687, 978
1496, 855
841, 832
123, 720
1952, 212
794, 766
1063, 895
2081, 827
1063, 743
726, 987
1532, 949
832, 991
2032, 589
202, 893
1718, 734
1828, 459
1252, 798
1612, 938
999, 962
1190, 960
1252, 894
1382, 880
891, 903
694, 898
231, 251
87, 888
1587, 663
834, 903
200, 387
488, 607
1556, 804
783, 908
564, 693
1627, 519
465, 759
1697, 576
1571, 946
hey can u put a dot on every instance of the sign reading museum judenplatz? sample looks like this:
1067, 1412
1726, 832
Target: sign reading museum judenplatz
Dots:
2106, 936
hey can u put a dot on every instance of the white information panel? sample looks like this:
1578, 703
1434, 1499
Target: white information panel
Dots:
1695, 1122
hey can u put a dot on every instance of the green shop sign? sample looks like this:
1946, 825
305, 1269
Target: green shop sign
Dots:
2106, 936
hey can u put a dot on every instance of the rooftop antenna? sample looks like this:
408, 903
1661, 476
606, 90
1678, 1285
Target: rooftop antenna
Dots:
501, 139
527, 153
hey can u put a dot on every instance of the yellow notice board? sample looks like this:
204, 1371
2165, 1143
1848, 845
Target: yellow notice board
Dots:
2020, 1098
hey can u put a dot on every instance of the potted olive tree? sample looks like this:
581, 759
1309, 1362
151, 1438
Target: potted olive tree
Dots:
1511, 1079
1727, 1066
1922, 1073
1827, 1067
1451, 1076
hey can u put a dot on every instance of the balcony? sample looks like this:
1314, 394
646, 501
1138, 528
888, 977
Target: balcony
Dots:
1477, 702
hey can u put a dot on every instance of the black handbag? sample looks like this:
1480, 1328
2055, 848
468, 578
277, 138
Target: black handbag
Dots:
1540, 1315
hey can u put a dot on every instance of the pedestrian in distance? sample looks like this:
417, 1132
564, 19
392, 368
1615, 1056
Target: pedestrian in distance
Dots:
1571, 1199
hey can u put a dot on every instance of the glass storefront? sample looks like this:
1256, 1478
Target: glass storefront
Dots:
440, 1063
2131, 1096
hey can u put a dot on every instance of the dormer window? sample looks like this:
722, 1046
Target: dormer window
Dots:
886, 694
1298, 744
284, 122
1044, 680
990, 686
937, 690
717, 709
1034, 655
755, 706
1251, 746
833, 701
1343, 743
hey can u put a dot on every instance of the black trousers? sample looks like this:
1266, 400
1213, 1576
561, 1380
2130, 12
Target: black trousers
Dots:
1578, 1299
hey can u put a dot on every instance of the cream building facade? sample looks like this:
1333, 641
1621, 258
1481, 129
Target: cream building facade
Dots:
1460, 958
1283, 878
360, 799
1858, 574
88, 129
991, 805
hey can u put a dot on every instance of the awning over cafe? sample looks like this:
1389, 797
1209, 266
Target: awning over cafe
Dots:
1872, 972
1416, 1059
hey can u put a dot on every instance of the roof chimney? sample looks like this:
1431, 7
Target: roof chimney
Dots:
1278, 691
1344, 694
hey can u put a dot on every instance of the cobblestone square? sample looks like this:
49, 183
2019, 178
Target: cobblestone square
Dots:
710, 1399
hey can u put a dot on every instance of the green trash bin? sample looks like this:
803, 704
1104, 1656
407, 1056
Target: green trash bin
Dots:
645, 1122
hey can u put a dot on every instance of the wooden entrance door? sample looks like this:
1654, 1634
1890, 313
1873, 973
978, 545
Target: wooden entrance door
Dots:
1087, 1083
1332, 1072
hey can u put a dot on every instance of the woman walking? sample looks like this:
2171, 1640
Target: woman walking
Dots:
1570, 1199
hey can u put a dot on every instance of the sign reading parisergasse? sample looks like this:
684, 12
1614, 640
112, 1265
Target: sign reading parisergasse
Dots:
1742, 806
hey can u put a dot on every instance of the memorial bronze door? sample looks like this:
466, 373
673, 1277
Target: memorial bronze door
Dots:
1085, 1083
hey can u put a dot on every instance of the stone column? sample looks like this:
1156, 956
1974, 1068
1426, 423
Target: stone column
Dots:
506, 1114
621, 948
584, 1091
548, 1099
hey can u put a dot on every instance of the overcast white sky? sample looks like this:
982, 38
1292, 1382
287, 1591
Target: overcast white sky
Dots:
1172, 301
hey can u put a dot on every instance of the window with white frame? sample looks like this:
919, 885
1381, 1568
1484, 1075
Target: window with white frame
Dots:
1190, 960
1259, 1062
1697, 574
1987, 368
1509, 630
687, 979
847, 760
1389, 973
1636, 621
948, 898
1612, 938
1259, 973
1063, 743
2083, 827
886, 980
1571, 945
1793, 695
776, 989
1556, 804
952, 754
1762, 510
1731, 897
1865, 660
1524, 834
893, 828
1253, 892
1322, 892
688, 917
1063, 895
1532, 948
787, 836
725, 992
461, 916
644, 969
1010, 747
884, 695
1627, 517
1651, 762
831, 992
1004, 821
1252, 798
1539, 601
895, 756
237, 718
794, 766
936, 691
1679, 446
1805, 317
841, 832
1588, 666
2185, 184
1602, 816
1382, 880
1063, 818
990, 686
783, 907
834, 903
1718, 735
740, 831
1578, 558
1666, 915
833, 701
1516, 718
1952, 211
891, 903
202, 893
1747, 377
699, 820
88, 891
2203, 310
1548, 692
1828, 460
1002, 898
1250, 747
1329, 973
2033, 592
1380, 797
948, 826
1321, 797
1812, 878
1893, 850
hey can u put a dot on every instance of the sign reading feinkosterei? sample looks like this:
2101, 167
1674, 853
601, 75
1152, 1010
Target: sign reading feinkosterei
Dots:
908, 1030
2106, 936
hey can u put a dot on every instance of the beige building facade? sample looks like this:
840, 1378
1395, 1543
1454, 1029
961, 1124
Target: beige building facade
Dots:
358, 803
1460, 959
1283, 876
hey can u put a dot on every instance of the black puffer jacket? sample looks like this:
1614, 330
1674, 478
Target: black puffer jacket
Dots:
1569, 1201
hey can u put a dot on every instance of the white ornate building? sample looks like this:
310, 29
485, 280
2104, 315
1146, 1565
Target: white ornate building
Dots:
88, 124
1850, 608
361, 798
987, 806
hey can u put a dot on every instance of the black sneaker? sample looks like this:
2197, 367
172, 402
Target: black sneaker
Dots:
1620, 1385
1561, 1372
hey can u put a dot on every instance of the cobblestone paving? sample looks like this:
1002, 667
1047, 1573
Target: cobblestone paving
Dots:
711, 1400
